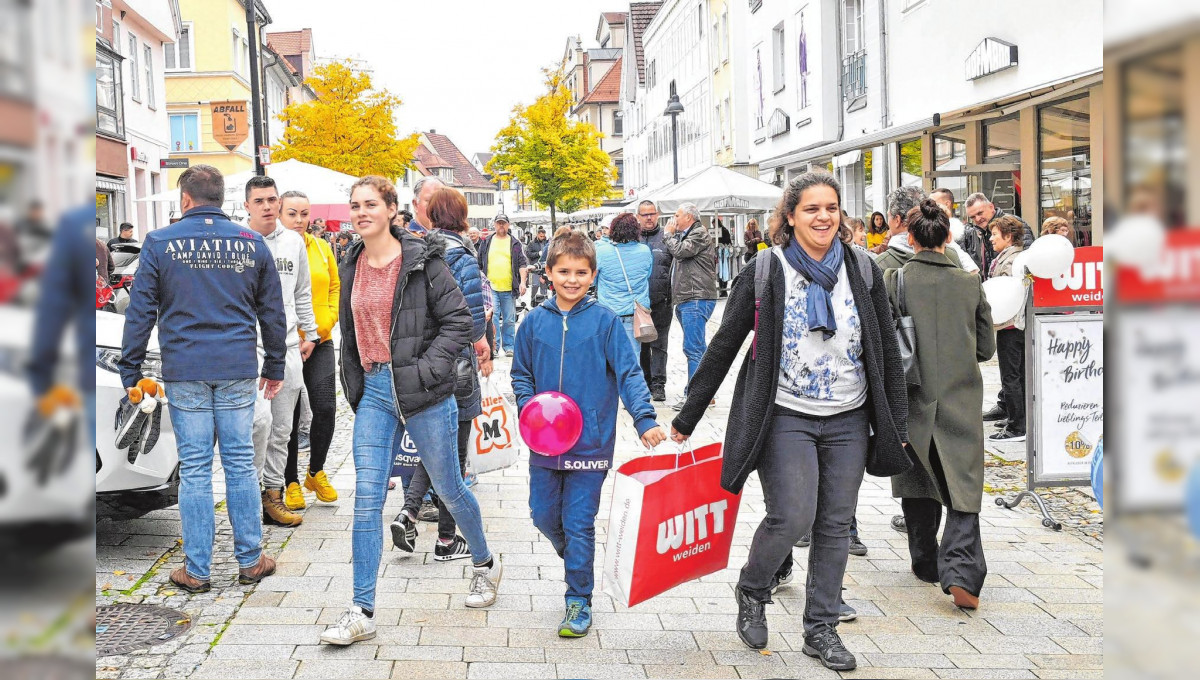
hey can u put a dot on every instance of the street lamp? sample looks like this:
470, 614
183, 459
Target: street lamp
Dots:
674, 108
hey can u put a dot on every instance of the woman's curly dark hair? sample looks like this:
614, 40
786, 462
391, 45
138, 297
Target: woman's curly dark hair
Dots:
780, 232
624, 228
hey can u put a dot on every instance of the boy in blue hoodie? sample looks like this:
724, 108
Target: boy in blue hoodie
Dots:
573, 345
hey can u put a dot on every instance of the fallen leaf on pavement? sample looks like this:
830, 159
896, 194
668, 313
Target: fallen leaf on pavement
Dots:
765, 652
169, 593
118, 573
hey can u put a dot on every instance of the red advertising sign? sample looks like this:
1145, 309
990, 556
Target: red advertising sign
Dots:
1175, 279
1081, 286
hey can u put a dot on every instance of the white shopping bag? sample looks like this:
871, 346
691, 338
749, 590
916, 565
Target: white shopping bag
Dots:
495, 438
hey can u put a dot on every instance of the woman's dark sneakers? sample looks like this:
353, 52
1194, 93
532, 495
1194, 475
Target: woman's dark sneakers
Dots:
454, 550
857, 547
824, 644
404, 533
751, 620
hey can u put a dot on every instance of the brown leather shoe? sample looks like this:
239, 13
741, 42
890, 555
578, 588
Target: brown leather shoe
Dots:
264, 568
187, 582
275, 511
963, 599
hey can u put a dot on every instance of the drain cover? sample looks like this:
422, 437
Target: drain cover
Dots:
122, 628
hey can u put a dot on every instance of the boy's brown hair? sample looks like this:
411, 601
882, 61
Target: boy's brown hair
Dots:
573, 244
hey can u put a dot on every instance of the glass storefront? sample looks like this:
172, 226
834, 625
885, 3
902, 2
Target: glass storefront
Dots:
949, 155
910, 163
1064, 155
104, 216
1002, 148
1155, 137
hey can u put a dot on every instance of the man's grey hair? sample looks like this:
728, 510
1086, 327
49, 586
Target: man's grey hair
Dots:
421, 184
903, 199
690, 209
976, 198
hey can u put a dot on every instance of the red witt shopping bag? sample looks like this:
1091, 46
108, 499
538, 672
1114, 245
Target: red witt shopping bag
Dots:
670, 522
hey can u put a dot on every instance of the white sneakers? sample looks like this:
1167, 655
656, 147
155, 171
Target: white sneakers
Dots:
484, 583
353, 626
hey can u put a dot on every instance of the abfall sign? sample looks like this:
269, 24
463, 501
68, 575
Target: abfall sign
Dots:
1081, 286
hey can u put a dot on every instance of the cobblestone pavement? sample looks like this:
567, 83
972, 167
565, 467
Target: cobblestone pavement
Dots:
1042, 611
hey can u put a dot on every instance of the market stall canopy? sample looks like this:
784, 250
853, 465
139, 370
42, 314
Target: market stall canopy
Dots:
328, 190
718, 190
531, 216
598, 213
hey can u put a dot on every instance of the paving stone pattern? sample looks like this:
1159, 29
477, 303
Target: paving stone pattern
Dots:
1041, 615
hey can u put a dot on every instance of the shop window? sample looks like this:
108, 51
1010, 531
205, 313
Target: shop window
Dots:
185, 132
1065, 163
909, 162
1002, 146
1155, 137
109, 111
1002, 140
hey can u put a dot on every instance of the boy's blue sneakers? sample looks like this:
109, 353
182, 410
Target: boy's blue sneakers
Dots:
578, 620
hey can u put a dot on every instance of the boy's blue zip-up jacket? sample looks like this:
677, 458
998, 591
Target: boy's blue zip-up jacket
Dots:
209, 284
588, 351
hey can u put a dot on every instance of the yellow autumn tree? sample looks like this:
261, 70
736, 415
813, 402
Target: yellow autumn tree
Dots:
558, 159
349, 127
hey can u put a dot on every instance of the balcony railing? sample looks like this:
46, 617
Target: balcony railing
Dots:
854, 76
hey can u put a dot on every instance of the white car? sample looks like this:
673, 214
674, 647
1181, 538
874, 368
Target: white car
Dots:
41, 506
153, 470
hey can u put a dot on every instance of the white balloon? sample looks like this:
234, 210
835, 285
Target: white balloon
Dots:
1005, 294
1050, 256
1020, 265
1137, 240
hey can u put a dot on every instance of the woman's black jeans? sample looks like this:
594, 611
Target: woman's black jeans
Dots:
320, 379
1010, 352
810, 472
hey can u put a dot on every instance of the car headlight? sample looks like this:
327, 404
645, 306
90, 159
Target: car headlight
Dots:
107, 357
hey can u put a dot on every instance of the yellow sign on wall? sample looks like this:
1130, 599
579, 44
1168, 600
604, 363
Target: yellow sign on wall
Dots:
230, 123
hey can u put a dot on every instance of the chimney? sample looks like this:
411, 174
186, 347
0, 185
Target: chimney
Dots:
432, 131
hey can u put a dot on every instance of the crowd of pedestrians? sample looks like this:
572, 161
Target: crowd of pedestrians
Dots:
423, 305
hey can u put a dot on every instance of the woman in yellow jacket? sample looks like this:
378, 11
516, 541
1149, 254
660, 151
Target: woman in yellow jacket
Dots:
320, 367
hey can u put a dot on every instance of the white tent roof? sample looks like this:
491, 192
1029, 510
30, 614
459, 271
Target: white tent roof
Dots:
597, 213
718, 189
531, 216
322, 185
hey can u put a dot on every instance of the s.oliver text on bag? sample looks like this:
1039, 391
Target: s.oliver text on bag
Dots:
690, 527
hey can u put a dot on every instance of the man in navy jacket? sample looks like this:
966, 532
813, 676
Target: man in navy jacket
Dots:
210, 284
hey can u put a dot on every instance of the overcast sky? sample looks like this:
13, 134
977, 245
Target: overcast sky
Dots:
459, 66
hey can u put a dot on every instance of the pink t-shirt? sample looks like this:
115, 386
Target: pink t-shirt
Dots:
371, 301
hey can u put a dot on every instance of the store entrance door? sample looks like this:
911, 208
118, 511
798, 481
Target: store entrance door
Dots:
1001, 183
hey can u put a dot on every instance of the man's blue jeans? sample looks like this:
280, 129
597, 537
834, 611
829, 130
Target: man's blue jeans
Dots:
200, 410
693, 315
377, 436
506, 316
563, 504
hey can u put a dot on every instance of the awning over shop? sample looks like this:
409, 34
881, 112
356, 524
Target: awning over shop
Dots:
322, 185
825, 150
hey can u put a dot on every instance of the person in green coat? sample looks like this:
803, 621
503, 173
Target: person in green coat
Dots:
954, 333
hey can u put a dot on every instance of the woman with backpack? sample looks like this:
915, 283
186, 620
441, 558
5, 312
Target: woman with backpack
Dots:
820, 400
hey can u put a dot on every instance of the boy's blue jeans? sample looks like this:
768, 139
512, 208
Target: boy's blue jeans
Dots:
200, 410
693, 315
563, 505
377, 436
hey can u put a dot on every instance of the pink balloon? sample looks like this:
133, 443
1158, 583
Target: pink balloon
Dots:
551, 423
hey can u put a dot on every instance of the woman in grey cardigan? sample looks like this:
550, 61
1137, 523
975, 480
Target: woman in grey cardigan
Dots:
954, 332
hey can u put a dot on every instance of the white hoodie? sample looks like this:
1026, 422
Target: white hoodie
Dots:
291, 261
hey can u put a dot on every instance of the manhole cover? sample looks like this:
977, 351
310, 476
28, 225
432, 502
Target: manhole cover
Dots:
122, 628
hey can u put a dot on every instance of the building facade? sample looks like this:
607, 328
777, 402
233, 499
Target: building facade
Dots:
141, 29
437, 156
671, 56
208, 86
1009, 112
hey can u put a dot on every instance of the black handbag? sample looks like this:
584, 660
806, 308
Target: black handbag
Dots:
906, 336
